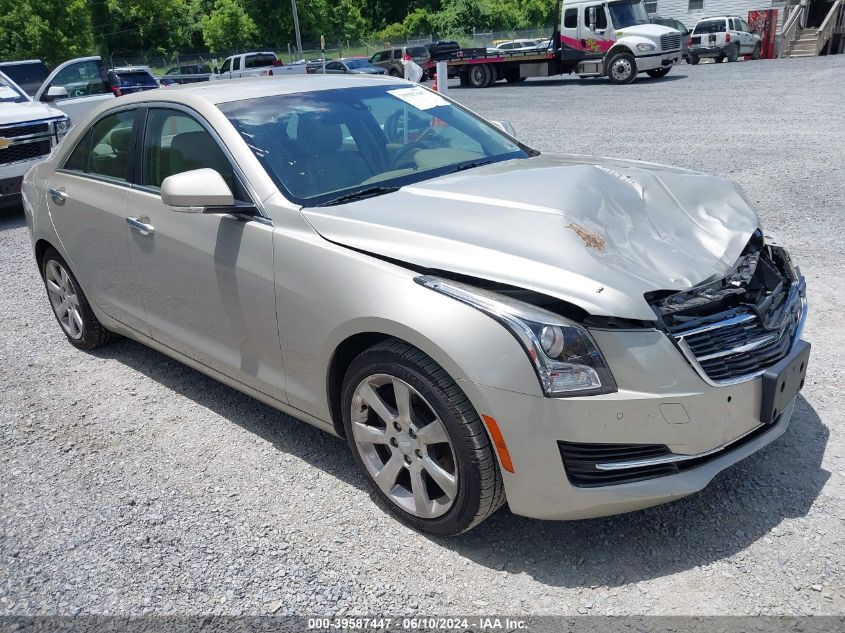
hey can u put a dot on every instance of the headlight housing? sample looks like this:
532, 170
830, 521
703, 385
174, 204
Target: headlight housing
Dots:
61, 127
564, 355
643, 47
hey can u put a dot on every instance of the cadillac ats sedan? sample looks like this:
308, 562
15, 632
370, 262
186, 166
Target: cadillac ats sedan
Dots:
481, 322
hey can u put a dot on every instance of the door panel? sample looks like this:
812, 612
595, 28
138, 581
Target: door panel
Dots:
207, 285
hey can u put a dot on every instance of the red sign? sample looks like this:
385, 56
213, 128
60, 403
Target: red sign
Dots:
764, 22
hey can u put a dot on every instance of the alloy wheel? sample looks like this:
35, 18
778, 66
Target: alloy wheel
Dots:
64, 299
404, 446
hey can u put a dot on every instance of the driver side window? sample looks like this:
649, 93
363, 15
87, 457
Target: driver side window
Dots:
601, 16
227, 66
81, 79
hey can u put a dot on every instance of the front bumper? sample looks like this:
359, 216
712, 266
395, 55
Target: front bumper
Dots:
664, 402
665, 59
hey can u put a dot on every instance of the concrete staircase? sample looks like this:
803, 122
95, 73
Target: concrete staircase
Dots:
804, 44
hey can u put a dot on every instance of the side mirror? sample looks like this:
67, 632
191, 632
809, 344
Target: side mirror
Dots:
197, 191
506, 127
592, 18
56, 92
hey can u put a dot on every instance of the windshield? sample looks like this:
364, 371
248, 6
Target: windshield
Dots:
8, 92
626, 14
319, 146
357, 63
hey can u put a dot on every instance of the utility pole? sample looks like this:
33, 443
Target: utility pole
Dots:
296, 28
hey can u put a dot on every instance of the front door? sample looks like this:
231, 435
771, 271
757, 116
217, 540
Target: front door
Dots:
87, 200
86, 84
206, 279
595, 39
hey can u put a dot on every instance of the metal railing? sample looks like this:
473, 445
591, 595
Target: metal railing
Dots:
790, 29
835, 18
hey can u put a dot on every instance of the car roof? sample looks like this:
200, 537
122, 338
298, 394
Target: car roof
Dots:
130, 69
229, 90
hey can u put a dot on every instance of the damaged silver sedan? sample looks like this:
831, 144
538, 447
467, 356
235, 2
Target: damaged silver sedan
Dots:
482, 323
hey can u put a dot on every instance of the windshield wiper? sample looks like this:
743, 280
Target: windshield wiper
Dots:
361, 194
475, 163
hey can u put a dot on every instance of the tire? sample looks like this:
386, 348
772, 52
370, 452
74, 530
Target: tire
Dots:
472, 486
512, 76
693, 59
480, 76
395, 73
657, 73
70, 305
622, 68
758, 50
720, 59
733, 54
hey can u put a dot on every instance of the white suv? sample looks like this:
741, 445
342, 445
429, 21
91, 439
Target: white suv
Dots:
725, 37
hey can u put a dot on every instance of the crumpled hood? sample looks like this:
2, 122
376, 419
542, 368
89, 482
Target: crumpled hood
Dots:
596, 232
27, 111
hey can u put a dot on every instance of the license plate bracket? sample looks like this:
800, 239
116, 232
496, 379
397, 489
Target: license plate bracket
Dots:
782, 382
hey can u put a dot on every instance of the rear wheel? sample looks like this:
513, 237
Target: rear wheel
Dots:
622, 68
733, 54
418, 440
512, 76
720, 59
70, 305
395, 72
480, 76
693, 59
658, 72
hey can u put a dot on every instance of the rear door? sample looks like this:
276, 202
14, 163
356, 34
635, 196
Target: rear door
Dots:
86, 84
87, 200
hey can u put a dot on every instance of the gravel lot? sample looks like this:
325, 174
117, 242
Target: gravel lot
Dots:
132, 484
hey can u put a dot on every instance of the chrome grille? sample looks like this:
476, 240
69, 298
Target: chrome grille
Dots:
733, 345
28, 141
670, 42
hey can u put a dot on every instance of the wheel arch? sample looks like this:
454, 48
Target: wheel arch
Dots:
619, 47
41, 247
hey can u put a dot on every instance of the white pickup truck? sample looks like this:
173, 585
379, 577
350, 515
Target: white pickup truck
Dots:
254, 65
31, 126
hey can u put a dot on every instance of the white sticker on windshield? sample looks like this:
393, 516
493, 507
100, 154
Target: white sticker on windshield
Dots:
420, 98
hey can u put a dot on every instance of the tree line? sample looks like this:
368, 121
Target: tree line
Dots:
55, 30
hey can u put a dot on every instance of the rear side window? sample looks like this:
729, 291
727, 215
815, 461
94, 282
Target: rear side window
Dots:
136, 79
570, 19
710, 26
418, 51
76, 160
110, 144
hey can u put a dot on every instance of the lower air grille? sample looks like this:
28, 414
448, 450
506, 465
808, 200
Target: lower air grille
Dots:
581, 460
670, 42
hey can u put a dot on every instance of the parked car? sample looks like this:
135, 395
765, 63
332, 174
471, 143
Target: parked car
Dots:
74, 87
723, 38
29, 130
254, 65
679, 26
521, 45
186, 74
130, 79
391, 59
353, 66
27, 74
581, 336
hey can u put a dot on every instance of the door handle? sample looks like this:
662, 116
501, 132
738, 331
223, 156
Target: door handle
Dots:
59, 195
141, 227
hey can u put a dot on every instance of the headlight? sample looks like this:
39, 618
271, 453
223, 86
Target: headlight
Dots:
563, 354
61, 127
646, 47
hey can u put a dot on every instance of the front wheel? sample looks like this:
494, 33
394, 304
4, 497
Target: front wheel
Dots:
70, 305
757, 51
622, 68
657, 73
418, 440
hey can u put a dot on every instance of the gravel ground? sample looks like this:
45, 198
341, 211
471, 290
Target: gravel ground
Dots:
132, 484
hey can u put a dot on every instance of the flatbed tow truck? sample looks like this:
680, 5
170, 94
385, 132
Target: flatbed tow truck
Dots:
595, 38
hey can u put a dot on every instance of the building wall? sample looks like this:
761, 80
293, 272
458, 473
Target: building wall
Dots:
679, 9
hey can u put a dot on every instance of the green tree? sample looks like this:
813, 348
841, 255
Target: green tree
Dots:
228, 27
52, 30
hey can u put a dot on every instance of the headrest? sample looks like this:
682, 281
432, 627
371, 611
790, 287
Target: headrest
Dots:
316, 135
119, 139
195, 150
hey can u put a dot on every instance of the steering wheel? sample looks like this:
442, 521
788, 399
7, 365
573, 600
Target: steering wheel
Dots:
392, 130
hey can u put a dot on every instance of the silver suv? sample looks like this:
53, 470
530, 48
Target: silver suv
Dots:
391, 59
723, 38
